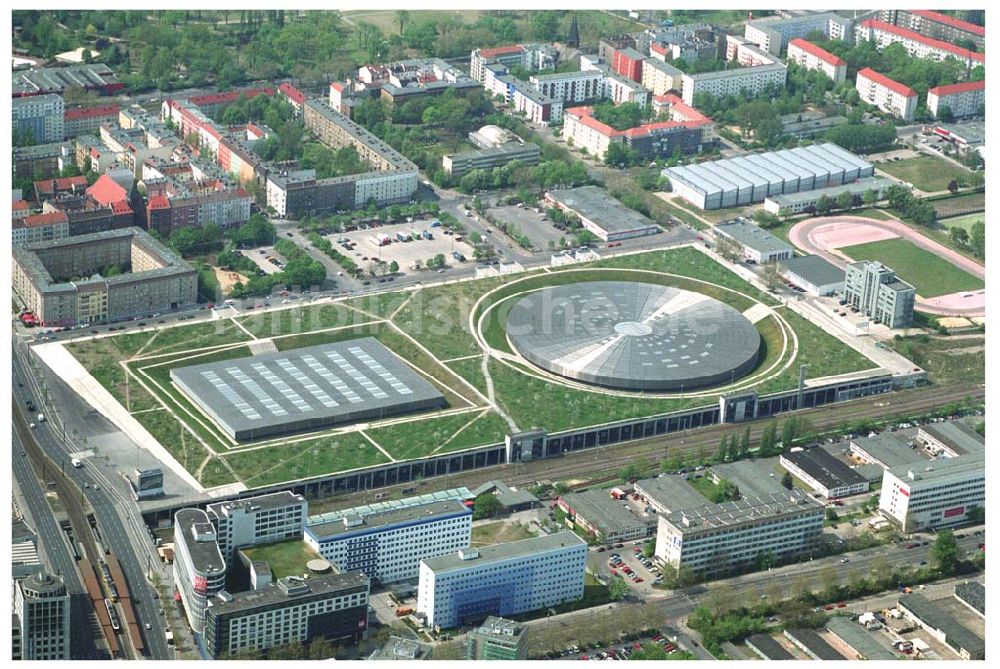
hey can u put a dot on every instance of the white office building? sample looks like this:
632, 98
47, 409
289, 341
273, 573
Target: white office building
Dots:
502, 580
716, 537
935, 494
42, 617
257, 520
813, 57
887, 94
964, 99
199, 568
387, 544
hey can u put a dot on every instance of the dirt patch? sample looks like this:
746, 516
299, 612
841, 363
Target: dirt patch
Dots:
227, 279
839, 235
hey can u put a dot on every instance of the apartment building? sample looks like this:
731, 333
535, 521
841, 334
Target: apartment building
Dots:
46, 277
501, 580
527, 56
88, 120
40, 228
265, 519
387, 545
936, 25
812, 57
294, 96
716, 537
964, 99
536, 106
888, 95
621, 89
773, 34
882, 34
650, 140
874, 289
43, 160
497, 639
292, 611
627, 62
658, 76
570, 87
934, 493
37, 119
41, 617
740, 81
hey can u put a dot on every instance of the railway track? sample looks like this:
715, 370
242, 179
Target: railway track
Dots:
607, 460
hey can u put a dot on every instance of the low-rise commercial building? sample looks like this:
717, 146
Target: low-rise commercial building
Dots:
968, 136
964, 99
502, 580
497, 639
398, 649
813, 274
824, 473
333, 607
496, 147
813, 57
973, 595
756, 243
47, 278
812, 645
951, 439
873, 288
798, 203
933, 494
866, 646
766, 648
714, 538
668, 493
885, 450
96, 77
600, 213
942, 626
387, 545
609, 520
887, 94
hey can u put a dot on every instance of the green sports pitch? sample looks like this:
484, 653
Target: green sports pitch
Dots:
442, 332
929, 274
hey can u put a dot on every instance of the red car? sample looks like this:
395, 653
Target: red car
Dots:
841, 605
584, 657
828, 607
637, 645
638, 579
614, 572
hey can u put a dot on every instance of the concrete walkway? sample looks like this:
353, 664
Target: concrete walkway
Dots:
69, 369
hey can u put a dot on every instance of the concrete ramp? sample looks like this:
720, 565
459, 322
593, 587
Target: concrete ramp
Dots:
757, 312
262, 346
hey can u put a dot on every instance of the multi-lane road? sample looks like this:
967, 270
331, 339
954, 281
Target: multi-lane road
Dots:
115, 519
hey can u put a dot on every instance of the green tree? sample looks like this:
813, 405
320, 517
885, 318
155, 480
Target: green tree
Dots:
393, 267
831, 515
870, 197
402, 17
320, 649
978, 239
650, 651
486, 506
745, 442
629, 472
845, 200
723, 453
959, 235
617, 588
944, 552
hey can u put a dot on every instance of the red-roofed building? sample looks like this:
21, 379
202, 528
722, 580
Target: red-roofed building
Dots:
40, 228
687, 131
108, 193
936, 25
49, 188
296, 97
965, 99
78, 122
813, 57
20, 209
919, 46
890, 96
158, 213
212, 102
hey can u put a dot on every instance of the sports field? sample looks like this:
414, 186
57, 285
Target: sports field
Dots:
926, 173
930, 275
442, 332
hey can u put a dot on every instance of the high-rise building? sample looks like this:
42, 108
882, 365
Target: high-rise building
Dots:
874, 289
504, 579
497, 639
257, 520
38, 119
42, 610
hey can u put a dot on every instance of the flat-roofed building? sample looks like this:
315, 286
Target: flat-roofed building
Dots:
38, 119
951, 439
570, 87
714, 538
885, 450
42, 617
398, 649
293, 610
812, 644
496, 147
887, 94
744, 80
766, 648
973, 595
943, 626
773, 34
757, 243
609, 520
798, 203
813, 57
967, 98
497, 639
866, 646
658, 76
600, 213
388, 544
933, 494
502, 580
257, 520
813, 274
875, 290
824, 473
199, 568
43, 160
668, 493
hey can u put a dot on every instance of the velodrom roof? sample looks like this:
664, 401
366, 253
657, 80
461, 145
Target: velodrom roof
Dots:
636, 336
306, 388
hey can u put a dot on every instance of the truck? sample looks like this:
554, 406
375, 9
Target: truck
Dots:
402, 237
41, 418
426, 234
414, 235
76, 462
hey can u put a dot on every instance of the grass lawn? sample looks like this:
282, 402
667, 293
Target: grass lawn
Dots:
966, 222
499, 533
870, 212
946, 360
286, 558
682, 214
705, 486
926, 173
931, 275
960, 204
419, 438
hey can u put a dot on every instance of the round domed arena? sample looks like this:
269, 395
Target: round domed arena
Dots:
633, 336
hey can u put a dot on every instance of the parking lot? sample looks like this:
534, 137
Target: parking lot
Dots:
534, 225
261, 257
627, 560
367, 253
